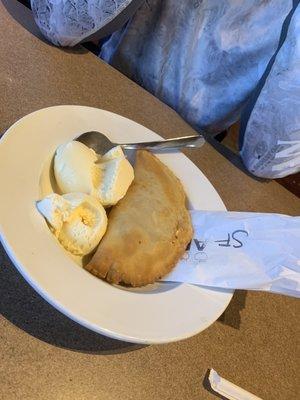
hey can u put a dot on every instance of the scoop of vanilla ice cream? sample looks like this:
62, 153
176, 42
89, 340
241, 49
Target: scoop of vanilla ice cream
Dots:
75, 169
78, 220
86, 225
55, 209
117, 175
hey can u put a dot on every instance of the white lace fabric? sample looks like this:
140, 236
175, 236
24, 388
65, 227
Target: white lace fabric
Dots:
68, 22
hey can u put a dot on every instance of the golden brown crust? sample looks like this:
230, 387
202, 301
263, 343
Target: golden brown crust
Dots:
148, 230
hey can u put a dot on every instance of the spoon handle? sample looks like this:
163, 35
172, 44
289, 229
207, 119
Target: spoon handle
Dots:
175, 143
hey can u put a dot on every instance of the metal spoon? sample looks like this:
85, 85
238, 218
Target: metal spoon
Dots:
101, 144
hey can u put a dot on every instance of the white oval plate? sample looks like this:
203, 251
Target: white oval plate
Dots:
158, 313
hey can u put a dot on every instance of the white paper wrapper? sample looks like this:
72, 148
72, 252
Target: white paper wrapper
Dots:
228, 389
242, 251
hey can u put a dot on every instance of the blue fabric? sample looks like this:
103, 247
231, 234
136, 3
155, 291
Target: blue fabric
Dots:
203, 58
271, 145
